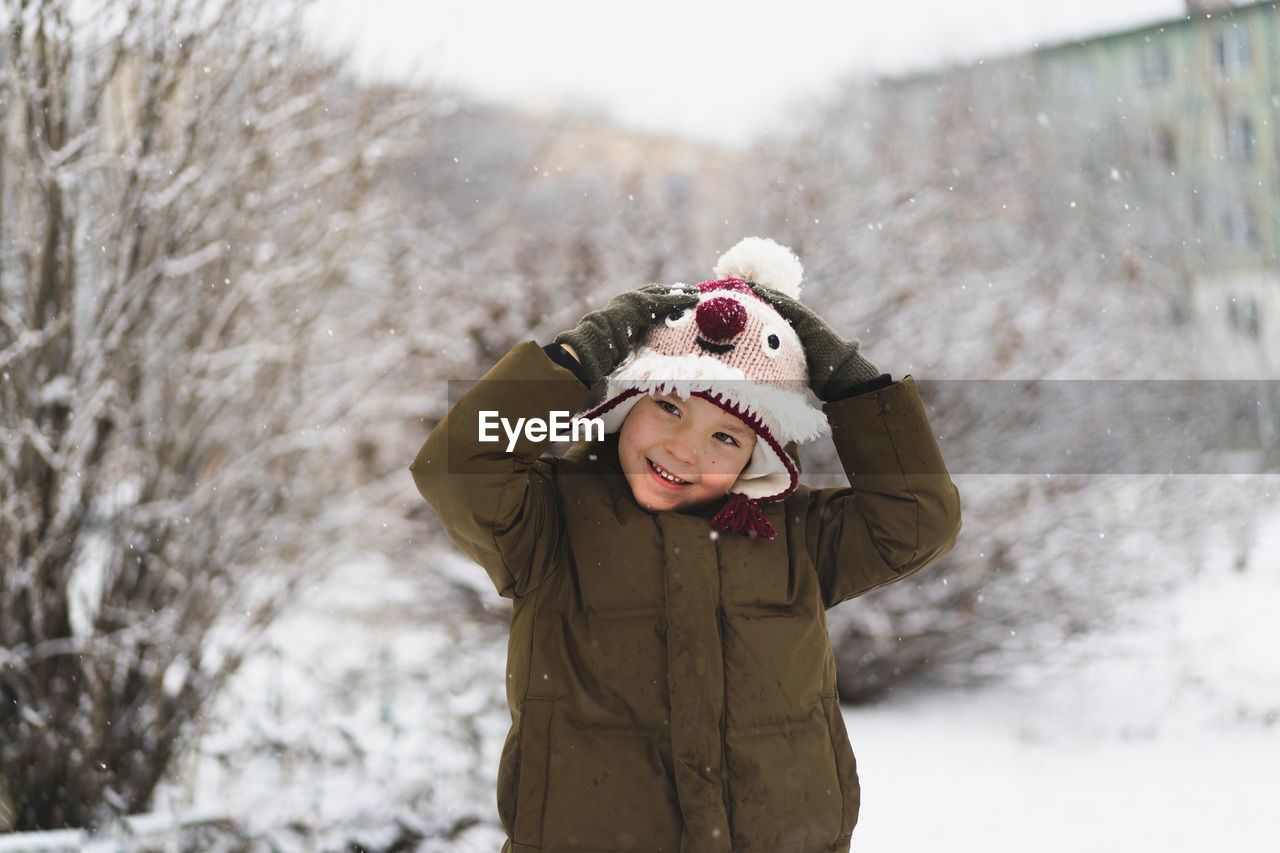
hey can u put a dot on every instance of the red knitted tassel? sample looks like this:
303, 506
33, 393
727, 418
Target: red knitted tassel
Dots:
742, 515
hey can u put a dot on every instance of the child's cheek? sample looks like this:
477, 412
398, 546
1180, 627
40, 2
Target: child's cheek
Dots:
720, 467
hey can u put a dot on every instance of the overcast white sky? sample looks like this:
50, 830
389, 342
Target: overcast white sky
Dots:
704, 68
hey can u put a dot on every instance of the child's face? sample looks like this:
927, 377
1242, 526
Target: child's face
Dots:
678, 453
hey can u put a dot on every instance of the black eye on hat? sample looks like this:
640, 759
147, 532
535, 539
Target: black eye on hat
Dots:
770, 343
678, 318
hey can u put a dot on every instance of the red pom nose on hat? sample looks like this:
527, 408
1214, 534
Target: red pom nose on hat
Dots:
720, 318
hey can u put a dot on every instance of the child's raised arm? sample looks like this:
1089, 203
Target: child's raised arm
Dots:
496, 498
901, 510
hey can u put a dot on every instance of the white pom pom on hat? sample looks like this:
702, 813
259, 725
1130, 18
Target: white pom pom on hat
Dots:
764, 262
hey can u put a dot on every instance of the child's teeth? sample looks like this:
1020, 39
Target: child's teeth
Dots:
665, 475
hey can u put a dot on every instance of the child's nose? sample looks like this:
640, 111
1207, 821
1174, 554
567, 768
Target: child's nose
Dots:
682, 451
720, 318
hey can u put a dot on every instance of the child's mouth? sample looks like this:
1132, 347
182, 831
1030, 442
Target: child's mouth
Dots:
665, 476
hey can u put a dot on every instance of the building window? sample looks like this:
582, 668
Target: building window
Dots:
1242, 315
1153, 63
1251, 317
1240, 226
1240, 140
1235, 139
1160, 147
1232, 56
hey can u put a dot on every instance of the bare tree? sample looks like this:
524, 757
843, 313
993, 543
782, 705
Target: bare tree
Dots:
182, 190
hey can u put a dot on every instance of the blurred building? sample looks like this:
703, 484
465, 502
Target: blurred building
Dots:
1198, 98
1198, 92
1186, 110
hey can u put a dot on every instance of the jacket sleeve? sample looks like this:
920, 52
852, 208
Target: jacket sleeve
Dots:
900, 512
500, 507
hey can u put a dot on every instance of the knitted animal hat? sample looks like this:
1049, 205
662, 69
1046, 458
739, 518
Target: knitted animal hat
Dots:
736, 351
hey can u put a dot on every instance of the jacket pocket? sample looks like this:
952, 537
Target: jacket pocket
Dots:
610, 790
846, 766
784, 794
531, 790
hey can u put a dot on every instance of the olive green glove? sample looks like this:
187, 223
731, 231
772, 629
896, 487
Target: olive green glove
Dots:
836, 368
603, 338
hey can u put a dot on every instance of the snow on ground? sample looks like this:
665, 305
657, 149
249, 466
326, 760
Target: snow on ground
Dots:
1164, 736
366, 718
978, 773
369, 718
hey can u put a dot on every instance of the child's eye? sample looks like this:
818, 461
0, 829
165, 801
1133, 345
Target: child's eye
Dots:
726, 438
670, 408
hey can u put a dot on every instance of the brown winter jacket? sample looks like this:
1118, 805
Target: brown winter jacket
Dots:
670, 690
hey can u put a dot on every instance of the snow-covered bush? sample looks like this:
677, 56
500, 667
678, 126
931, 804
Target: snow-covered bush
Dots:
968, 231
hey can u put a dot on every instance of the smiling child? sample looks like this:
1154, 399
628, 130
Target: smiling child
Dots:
671, 683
